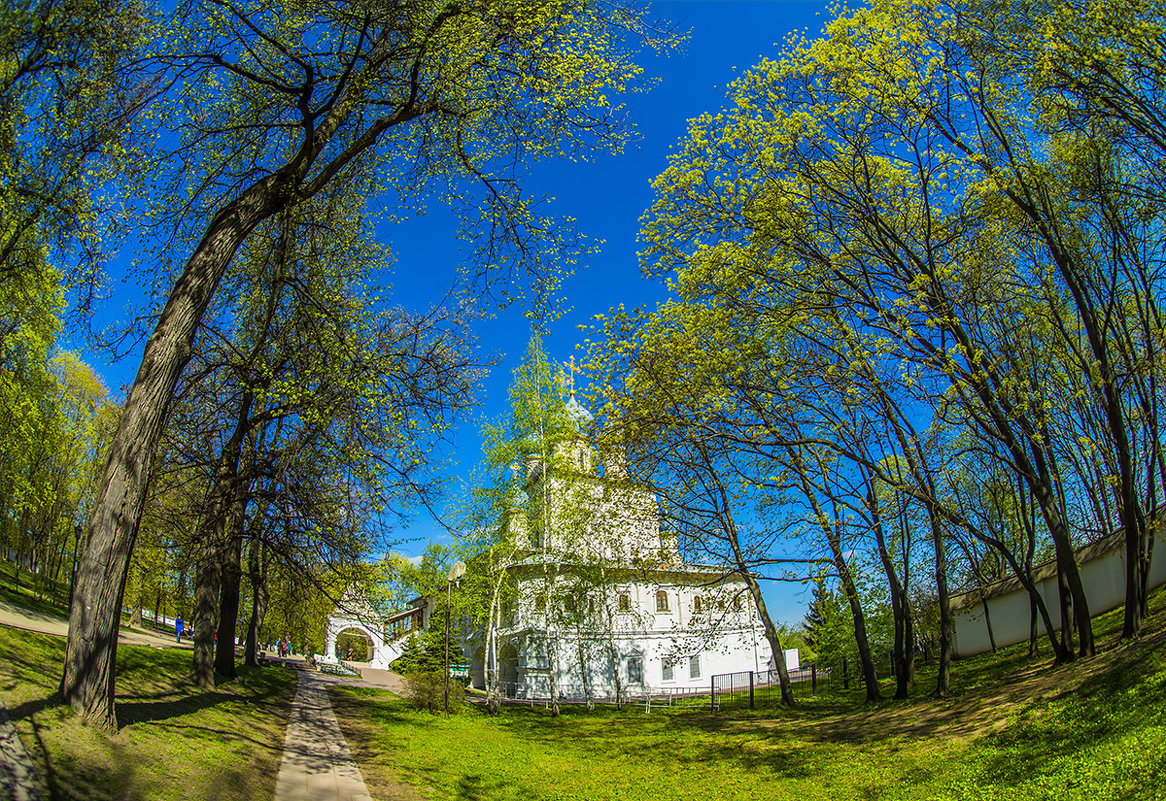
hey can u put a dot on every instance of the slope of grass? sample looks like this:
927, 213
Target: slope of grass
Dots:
1015, 728
176, 741
23, 589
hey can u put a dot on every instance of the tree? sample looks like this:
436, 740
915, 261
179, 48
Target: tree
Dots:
884, 187
69, 89
279, 103
503, 521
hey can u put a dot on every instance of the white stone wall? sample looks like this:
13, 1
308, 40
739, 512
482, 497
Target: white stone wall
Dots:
1103, 580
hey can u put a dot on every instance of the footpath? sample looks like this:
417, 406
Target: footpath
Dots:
317, 764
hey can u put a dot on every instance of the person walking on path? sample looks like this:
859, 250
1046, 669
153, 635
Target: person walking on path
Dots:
178, 630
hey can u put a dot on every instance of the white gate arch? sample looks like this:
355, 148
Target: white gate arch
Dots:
356, 613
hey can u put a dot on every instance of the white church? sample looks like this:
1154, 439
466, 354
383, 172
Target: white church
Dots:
599, 598
596, 598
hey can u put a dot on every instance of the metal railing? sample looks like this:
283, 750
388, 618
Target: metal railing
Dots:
755, 688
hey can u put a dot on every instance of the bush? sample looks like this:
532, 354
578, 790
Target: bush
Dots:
426, 690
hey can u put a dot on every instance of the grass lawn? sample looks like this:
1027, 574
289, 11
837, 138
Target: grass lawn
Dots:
1016, 728
21, 588
176, 740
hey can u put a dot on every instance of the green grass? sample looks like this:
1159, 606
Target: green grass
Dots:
176, 741
21, 588
1015, 728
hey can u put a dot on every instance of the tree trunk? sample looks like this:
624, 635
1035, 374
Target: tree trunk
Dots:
866, 659
900, 608
87, 682
229, 597
583, 669
493, 691
988, 620
774, 639
946, 622
259, 598
204, 617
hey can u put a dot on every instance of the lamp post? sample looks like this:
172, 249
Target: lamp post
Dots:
456, 572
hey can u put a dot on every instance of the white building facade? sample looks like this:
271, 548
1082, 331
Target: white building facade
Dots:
598, 599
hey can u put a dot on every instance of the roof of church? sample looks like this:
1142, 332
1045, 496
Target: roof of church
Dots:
580, 416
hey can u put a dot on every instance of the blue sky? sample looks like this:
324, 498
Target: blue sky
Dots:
607, 198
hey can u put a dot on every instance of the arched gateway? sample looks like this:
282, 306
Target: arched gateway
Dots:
356, 614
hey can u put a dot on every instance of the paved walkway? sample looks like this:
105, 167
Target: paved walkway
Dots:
20, 618
317, 765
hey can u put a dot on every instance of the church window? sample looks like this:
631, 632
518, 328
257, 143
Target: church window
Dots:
696, 604
736, 603
661, 601
694, 666
635, 670
540, 604
669, 673
625, 602
569, 604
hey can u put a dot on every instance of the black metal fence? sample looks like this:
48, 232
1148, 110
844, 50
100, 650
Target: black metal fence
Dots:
755, 688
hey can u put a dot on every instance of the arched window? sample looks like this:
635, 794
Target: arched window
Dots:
696, 607
661, 601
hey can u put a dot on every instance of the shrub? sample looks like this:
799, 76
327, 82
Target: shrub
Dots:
426, 690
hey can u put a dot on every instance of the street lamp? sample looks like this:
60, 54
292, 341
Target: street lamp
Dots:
456, 572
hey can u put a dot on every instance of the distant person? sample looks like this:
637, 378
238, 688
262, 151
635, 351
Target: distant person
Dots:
178, 630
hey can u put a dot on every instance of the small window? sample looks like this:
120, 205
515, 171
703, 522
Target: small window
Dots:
669, 673
569, 605
694, 666
591, 606
625, 602
696, 604
736, 603
661, 601
540, 604
635, 670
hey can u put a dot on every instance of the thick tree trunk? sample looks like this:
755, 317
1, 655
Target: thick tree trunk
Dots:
87, 681
204, 618
229, 598
259, 596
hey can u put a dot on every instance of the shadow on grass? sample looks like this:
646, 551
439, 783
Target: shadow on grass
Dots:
477, 788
